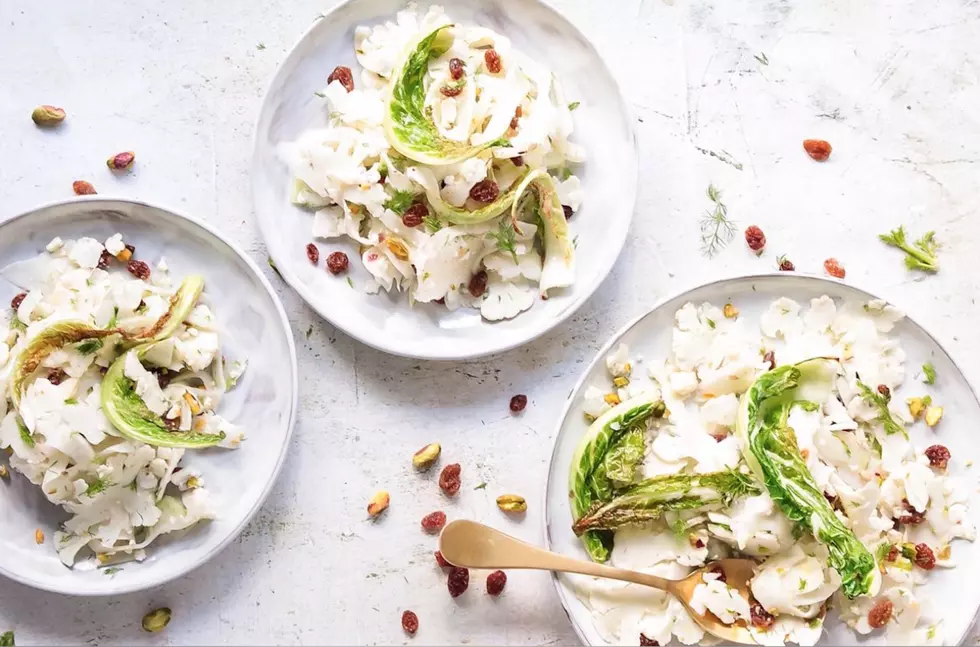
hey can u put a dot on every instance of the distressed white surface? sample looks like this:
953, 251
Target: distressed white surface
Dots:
892, 84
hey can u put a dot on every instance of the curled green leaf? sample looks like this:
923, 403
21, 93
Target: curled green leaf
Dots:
446, 212
771, 451
558, 270
407, 124
181, 305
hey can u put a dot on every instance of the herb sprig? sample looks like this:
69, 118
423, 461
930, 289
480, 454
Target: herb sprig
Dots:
506, 238
880, 402
717, 229
920, 255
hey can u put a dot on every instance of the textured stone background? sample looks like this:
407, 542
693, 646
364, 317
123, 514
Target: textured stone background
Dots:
893, 84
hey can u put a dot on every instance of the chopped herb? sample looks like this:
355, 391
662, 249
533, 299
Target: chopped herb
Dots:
89, 346
813, 623
481, 486
260, 46
573, 105
432, 223
565, 173
309, 331
71, 401
426, 275
112, 570
272, 264
400, 202
350, 282
762, 58
717, 230
802, 584
575, 241
319, 94
921, 255
711, 323
506, 238
97, 487
931, 633
880, 403
25, 433
929, 373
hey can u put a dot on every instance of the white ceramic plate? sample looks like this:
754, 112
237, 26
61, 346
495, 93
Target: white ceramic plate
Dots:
264, 401
430, 331
954, 593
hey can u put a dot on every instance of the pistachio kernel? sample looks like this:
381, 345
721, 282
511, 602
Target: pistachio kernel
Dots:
426, 457
38, 536
4, 473
933, 416
48, 115
611, 398
157, 620
730, 311
659, 410
121, 161
916, 407
621, 381
379, 503
511, 503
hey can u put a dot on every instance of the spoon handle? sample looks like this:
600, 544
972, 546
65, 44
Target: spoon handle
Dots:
473, 545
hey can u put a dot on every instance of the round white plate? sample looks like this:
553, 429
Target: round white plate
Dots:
954, 596
429, 331
264, 401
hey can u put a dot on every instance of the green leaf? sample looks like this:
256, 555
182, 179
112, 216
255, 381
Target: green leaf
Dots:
481, 486
114, 319
919, 256
112, 570
129, 415
558, 270
71, 401
711, 323
181, 305
25, 433
97, 487
590, 456
622, 460
432, 224
770, 449
650, 499
929, 373
408, 126
400, 202
7, 639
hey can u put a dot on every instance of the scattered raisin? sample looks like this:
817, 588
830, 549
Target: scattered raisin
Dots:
721, 574
492, 59
761, 618
434, 521
518, 402
496, 582
818, 149
885, 391
880, 614
478, 284
139, 269
163, 377
312, 253
451, 90
719, 437
81, 187
456, 68
755, 239
104, 260
892, 554
785, 265
132, 250
441, 561
832, 266
938, 456
485, 191
568, 211
650, 642
56, 376
518, 113
449, 479
518, 160
914, 517
770, 358
410, 622
337, 262
17, 300
415, 214
459, 581
924, 557
342, 74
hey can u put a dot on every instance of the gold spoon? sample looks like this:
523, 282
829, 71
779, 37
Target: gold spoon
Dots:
473, 545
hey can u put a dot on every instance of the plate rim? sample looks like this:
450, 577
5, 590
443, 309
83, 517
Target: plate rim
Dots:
193, 564
434, 352
684, 289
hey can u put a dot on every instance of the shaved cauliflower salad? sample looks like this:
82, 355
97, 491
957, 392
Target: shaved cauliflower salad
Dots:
787, 440
109, 374
448, 162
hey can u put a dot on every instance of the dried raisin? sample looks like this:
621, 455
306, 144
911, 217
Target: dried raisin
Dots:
496, 582
880, 614
434, 521
81, 187
342, 74
721, 574
648, 642
449, 479
924, 557
17, 300
492, 59
755, 239
441, 561
938, 456
139, 269
337, 262
312, 253
568, 211
105, 260
518, 402
761, 618
518, 113
451, 90
892, 554
885, 391
518, 160
456, 68
770, 358
914, 517
832, 266
478, 284
56, 376
459, 581
485, 191
410, 622
415, 214
818, 149
785, 265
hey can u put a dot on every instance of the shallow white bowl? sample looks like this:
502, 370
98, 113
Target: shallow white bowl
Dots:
954, 594
429, 331
264, 401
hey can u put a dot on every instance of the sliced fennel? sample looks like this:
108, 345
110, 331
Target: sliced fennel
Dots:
456, 215
559, 253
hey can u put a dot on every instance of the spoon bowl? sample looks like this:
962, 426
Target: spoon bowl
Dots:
472, 545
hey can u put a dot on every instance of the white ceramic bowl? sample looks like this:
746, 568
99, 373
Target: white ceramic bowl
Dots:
264, 401
429, 331
954, 594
